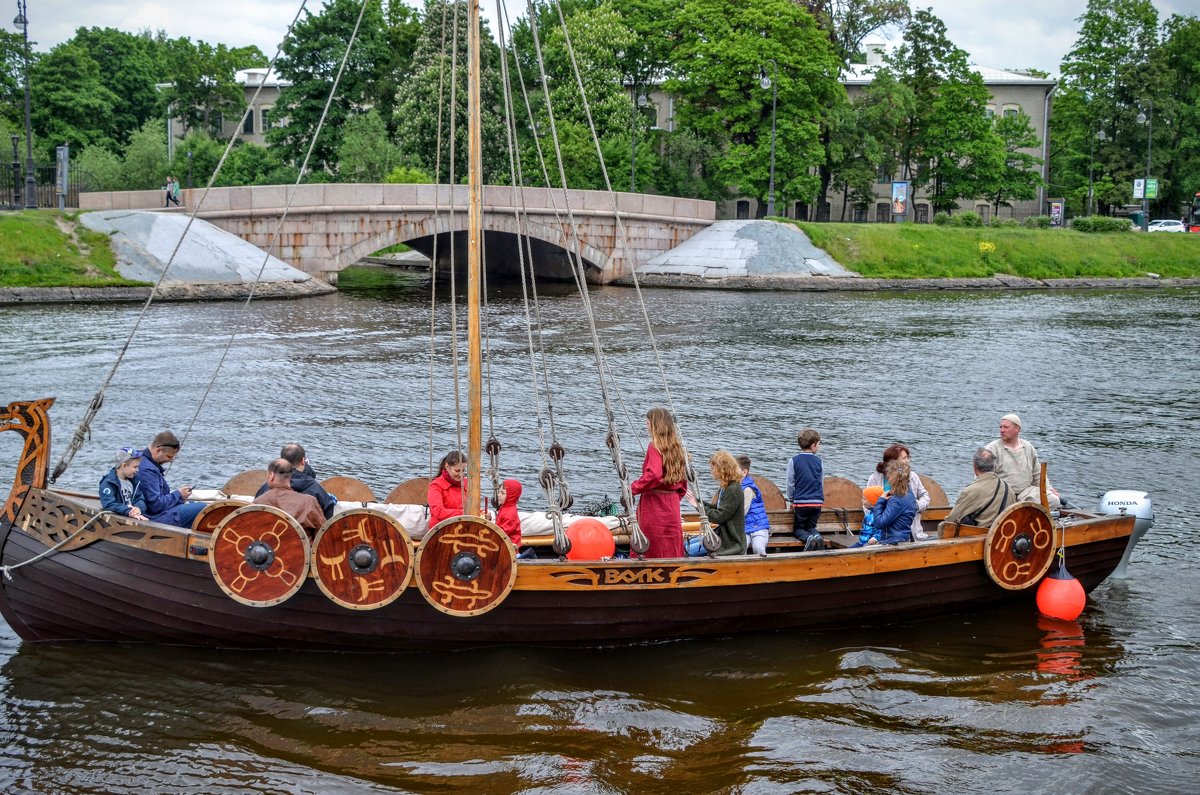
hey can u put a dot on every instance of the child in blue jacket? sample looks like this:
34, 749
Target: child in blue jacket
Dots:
118, 492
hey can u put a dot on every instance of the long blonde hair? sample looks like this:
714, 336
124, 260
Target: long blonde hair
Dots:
898, 475
665, 438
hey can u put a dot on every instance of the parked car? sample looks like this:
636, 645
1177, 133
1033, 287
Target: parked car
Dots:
1166, 226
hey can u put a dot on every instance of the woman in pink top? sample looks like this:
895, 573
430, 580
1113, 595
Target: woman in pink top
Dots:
661, 487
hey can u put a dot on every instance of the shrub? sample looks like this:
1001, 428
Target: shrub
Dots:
1100, 223
1004, 222
1036, 222
967, 219
941, 218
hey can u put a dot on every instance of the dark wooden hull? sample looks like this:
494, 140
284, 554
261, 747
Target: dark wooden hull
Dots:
111, 591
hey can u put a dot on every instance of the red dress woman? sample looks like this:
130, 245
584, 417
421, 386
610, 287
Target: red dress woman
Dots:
661, 487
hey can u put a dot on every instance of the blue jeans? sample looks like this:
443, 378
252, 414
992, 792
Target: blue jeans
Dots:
694, 547
188, 512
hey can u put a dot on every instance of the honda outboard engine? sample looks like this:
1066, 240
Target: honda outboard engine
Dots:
1133, 503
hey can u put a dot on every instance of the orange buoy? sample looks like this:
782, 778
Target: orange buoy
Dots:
1060, 595
590, 540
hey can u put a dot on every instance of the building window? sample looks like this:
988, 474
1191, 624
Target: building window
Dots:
883, 213
1011, 110
266, 120
883, 175
984, 210
860, 214
248, 124
743, 209
922, 213
989, 112
823, 212
801, 211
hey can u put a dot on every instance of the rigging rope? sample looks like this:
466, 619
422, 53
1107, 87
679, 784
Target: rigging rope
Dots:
437, 212
84, 430
708, 534
7, 570
283, 217
638, 541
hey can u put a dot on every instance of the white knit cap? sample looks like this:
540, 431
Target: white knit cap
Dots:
1013, 418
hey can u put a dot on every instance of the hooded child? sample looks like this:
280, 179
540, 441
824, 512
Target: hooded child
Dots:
118, 492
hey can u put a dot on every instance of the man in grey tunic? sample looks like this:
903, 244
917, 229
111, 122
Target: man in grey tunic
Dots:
984, 498
1017, 463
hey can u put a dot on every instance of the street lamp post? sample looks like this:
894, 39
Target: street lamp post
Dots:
22, 23
1146, 118
637, 103
1099, 136
772, 83
189, 182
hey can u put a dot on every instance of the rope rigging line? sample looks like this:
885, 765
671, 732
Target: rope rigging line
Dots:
84, 430
312, 144
706, 531
638, 541
552, 480
6, 571
462, 483
437, 211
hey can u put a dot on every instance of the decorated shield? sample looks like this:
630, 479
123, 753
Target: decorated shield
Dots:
1020, 546
465, 566
362, 559
259, 555
213, 514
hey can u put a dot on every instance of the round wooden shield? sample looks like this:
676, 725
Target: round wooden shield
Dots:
773, 499
362, 559
348, 489
214, 513
414, 491
937, 495
842, 493
1020, 546
245, 484
465, 566
259, 555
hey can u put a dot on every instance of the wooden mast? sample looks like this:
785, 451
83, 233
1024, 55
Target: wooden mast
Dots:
472, 506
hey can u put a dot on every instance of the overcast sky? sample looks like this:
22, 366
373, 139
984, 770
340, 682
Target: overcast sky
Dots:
1007, 34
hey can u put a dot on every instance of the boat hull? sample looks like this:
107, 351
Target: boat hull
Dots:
110, 590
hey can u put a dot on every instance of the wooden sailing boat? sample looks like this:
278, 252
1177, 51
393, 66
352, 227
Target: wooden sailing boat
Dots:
250, 577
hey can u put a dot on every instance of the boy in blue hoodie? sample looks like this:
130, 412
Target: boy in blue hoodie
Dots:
806, 490
118, 492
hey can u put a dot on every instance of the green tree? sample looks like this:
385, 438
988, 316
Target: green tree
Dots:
1179, 56
847, 23
70, 101
251, 164
1106, 78
203, 87
366, 154
428, 94
205, 154
130, 69
722, 50
103, 169
311, 59
145, 164
1012, 172
12, 76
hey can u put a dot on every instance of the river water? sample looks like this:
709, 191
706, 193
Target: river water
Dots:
993, 702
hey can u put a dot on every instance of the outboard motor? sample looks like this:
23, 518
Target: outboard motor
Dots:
1137, 504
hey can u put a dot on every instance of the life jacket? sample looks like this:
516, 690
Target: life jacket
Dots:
756, 517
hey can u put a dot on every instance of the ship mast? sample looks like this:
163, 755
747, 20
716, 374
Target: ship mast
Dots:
472, 505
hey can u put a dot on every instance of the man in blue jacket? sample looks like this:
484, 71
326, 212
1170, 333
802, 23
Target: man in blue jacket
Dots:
304, 480
163, 504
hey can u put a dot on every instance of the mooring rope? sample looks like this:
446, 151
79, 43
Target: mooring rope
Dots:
6, 571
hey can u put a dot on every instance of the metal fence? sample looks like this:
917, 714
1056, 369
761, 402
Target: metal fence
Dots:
12, 185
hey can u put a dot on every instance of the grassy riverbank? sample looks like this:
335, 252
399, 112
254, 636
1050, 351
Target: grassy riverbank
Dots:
46, 248
923, 251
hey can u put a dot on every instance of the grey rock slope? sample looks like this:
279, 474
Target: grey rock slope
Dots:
738, 249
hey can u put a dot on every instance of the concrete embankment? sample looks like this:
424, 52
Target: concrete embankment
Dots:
816, 283
208, 265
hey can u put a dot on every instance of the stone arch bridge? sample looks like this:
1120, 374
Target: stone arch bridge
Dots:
332, 226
